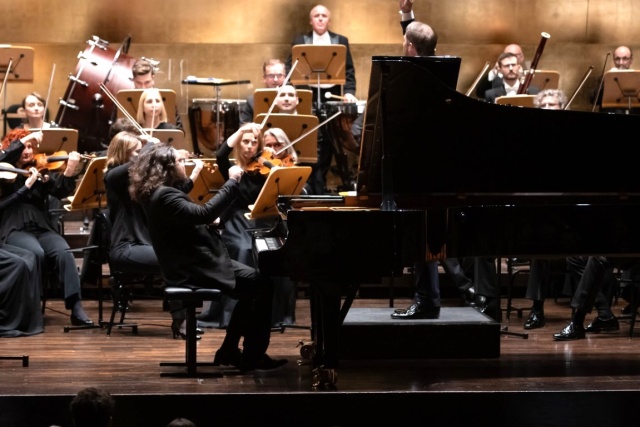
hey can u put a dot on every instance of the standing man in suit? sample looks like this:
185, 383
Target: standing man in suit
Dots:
320, 18
510, 68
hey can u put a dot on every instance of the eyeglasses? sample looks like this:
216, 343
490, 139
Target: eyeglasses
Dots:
623, 59
274, 76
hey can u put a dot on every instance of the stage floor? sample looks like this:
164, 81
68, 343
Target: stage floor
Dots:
534, 381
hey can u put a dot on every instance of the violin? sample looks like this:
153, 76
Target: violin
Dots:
263, 164
56, 160
9, 173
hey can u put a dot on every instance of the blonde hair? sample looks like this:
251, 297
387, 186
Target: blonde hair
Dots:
282, 138
120, 149
140, 116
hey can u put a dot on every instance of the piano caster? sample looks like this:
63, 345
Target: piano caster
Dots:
307, 349
505, 331
324, 378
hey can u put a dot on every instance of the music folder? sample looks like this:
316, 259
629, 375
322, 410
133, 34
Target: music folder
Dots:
546, 79
282, 181
294, 126
58, 139
130, 98
91, 192
621, 89
516, 100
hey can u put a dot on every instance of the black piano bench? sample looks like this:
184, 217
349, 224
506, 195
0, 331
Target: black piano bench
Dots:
191, 299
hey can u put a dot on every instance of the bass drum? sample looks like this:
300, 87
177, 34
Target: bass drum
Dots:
212, 122
85, 106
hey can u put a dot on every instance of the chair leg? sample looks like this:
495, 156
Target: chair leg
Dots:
120, 300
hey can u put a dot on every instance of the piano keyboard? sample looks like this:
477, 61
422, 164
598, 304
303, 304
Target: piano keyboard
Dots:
267, 243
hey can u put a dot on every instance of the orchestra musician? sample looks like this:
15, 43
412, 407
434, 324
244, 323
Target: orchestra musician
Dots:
20, 276
143, 77
622, 60
151, 113
190, 254
494, 76
287, 100
511, 69
320, 19
28, 224
273, 75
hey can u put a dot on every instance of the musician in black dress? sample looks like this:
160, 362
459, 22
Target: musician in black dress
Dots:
20, 276
28, 224
191, 255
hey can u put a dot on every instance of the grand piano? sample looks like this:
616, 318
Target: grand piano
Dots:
444, 175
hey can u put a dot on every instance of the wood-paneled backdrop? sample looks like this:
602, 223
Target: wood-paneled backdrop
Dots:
230, 39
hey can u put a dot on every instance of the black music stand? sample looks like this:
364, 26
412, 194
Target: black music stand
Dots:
324, 64
217, 84
621, 90
206, 185
282, 181
58, 139
91, 194
130, 98
295, 125
263, 98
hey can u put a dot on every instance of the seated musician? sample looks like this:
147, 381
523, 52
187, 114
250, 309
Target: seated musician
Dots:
33, 107
143, 77
511, 69
287, 100
550, 99
28, 224
151, 112
273, 75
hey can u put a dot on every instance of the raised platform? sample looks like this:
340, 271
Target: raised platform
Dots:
459, 333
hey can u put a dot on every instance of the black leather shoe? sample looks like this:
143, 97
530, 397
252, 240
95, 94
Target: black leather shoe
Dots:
417, 311
572, 331
264, 363
228, 358
603, 325
535, 321
491, 307
469, 297
75, 321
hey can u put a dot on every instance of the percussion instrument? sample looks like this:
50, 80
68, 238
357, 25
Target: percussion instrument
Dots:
83, 106
212, 121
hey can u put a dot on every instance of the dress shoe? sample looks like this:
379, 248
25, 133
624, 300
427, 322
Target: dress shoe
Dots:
76, 321
228, 358
469, 297
535, 320
600, 324
573, 331
178, 332
264, 363
417, 311
491, 307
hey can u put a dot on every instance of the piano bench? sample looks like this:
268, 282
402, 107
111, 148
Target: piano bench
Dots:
190, 299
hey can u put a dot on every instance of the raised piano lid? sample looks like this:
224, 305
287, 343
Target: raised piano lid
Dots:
447, 149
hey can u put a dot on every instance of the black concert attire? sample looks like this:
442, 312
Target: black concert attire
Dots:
28, 224
236, 234
20, 282
326, 147
191, 255
498, 90
246, 111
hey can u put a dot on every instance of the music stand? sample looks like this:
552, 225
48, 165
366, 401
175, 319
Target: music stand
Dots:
324, 64
544, 79
263, 98
287, 181
21, 58
621, 88
91, 192
130, 98
58, 139
206, 185
173, 137
517, 100
295, 125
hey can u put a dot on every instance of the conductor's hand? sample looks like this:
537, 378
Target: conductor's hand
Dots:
236, 172
405, 5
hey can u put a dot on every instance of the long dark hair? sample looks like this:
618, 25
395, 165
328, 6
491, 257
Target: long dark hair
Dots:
151, 170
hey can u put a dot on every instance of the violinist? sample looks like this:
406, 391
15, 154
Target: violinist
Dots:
151, 111
275, 141
28, 224
20, 278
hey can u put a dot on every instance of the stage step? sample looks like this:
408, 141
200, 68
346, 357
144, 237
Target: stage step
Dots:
459, 333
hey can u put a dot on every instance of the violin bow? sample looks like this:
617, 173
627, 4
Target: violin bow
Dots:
122, 109
6, 77
307, 133
273, 104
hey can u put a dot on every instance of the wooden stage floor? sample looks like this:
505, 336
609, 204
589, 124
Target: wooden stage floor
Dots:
535, 381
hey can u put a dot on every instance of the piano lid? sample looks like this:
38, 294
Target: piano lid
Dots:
446, 149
